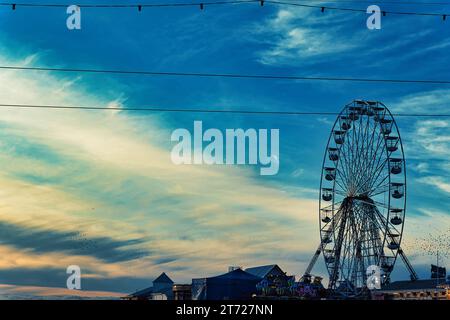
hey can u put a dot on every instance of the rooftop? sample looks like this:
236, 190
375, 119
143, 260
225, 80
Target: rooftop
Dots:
163, 278
413, 285
261, 271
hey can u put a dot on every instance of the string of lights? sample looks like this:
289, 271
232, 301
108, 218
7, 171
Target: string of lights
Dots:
206, 110
202, 6
384, 12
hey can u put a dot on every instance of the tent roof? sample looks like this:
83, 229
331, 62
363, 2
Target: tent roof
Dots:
261, 271
163, 278
237, 274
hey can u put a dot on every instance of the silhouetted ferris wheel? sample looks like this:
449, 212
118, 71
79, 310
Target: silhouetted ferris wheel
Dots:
362, 197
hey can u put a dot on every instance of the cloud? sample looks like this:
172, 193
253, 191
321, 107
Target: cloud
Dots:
297, 172
12, 292
427, 144
427, 140
296, 34
44, 241
437, 182
433, 101
111, 178
421, 167
52, 281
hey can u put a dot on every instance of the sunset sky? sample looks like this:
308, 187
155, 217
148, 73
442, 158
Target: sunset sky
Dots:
97, 188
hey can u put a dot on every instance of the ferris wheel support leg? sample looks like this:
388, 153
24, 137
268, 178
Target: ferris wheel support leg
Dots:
337, 252
408, 265
313, 260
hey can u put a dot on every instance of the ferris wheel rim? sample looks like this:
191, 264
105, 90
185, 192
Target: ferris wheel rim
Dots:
387, 228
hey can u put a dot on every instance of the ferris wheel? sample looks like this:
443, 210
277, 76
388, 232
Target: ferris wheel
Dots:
362, 198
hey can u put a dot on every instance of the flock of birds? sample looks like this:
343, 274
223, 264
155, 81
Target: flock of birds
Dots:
433, 244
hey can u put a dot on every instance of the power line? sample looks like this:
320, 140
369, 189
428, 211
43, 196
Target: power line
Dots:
222, 75
201, 5
204, 110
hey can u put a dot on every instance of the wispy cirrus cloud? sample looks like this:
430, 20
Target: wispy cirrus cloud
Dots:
438, 182
433, 101
293, 35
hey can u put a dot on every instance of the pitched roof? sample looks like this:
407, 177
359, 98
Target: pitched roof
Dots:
144, 293
163, 278
412, 285
237, 274
261, 271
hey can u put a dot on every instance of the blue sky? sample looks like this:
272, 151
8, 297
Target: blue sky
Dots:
97, 188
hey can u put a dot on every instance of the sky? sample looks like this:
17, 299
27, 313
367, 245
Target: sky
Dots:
97, 188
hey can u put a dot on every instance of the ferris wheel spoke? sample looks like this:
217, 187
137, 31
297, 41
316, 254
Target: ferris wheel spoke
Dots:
370, 237
381, 204
378, 182
378, 172
361, 151
379, 224
339, 192
342, 188
336, 221
390, 234
368, 182
377, 151
344, 178
342, 247
370, 241
375, 204
356, 150
382, 181
370, 149
387, 223
346, 165
332, 205
374, 162
341, 166
375, 229
379, 190
349, 144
